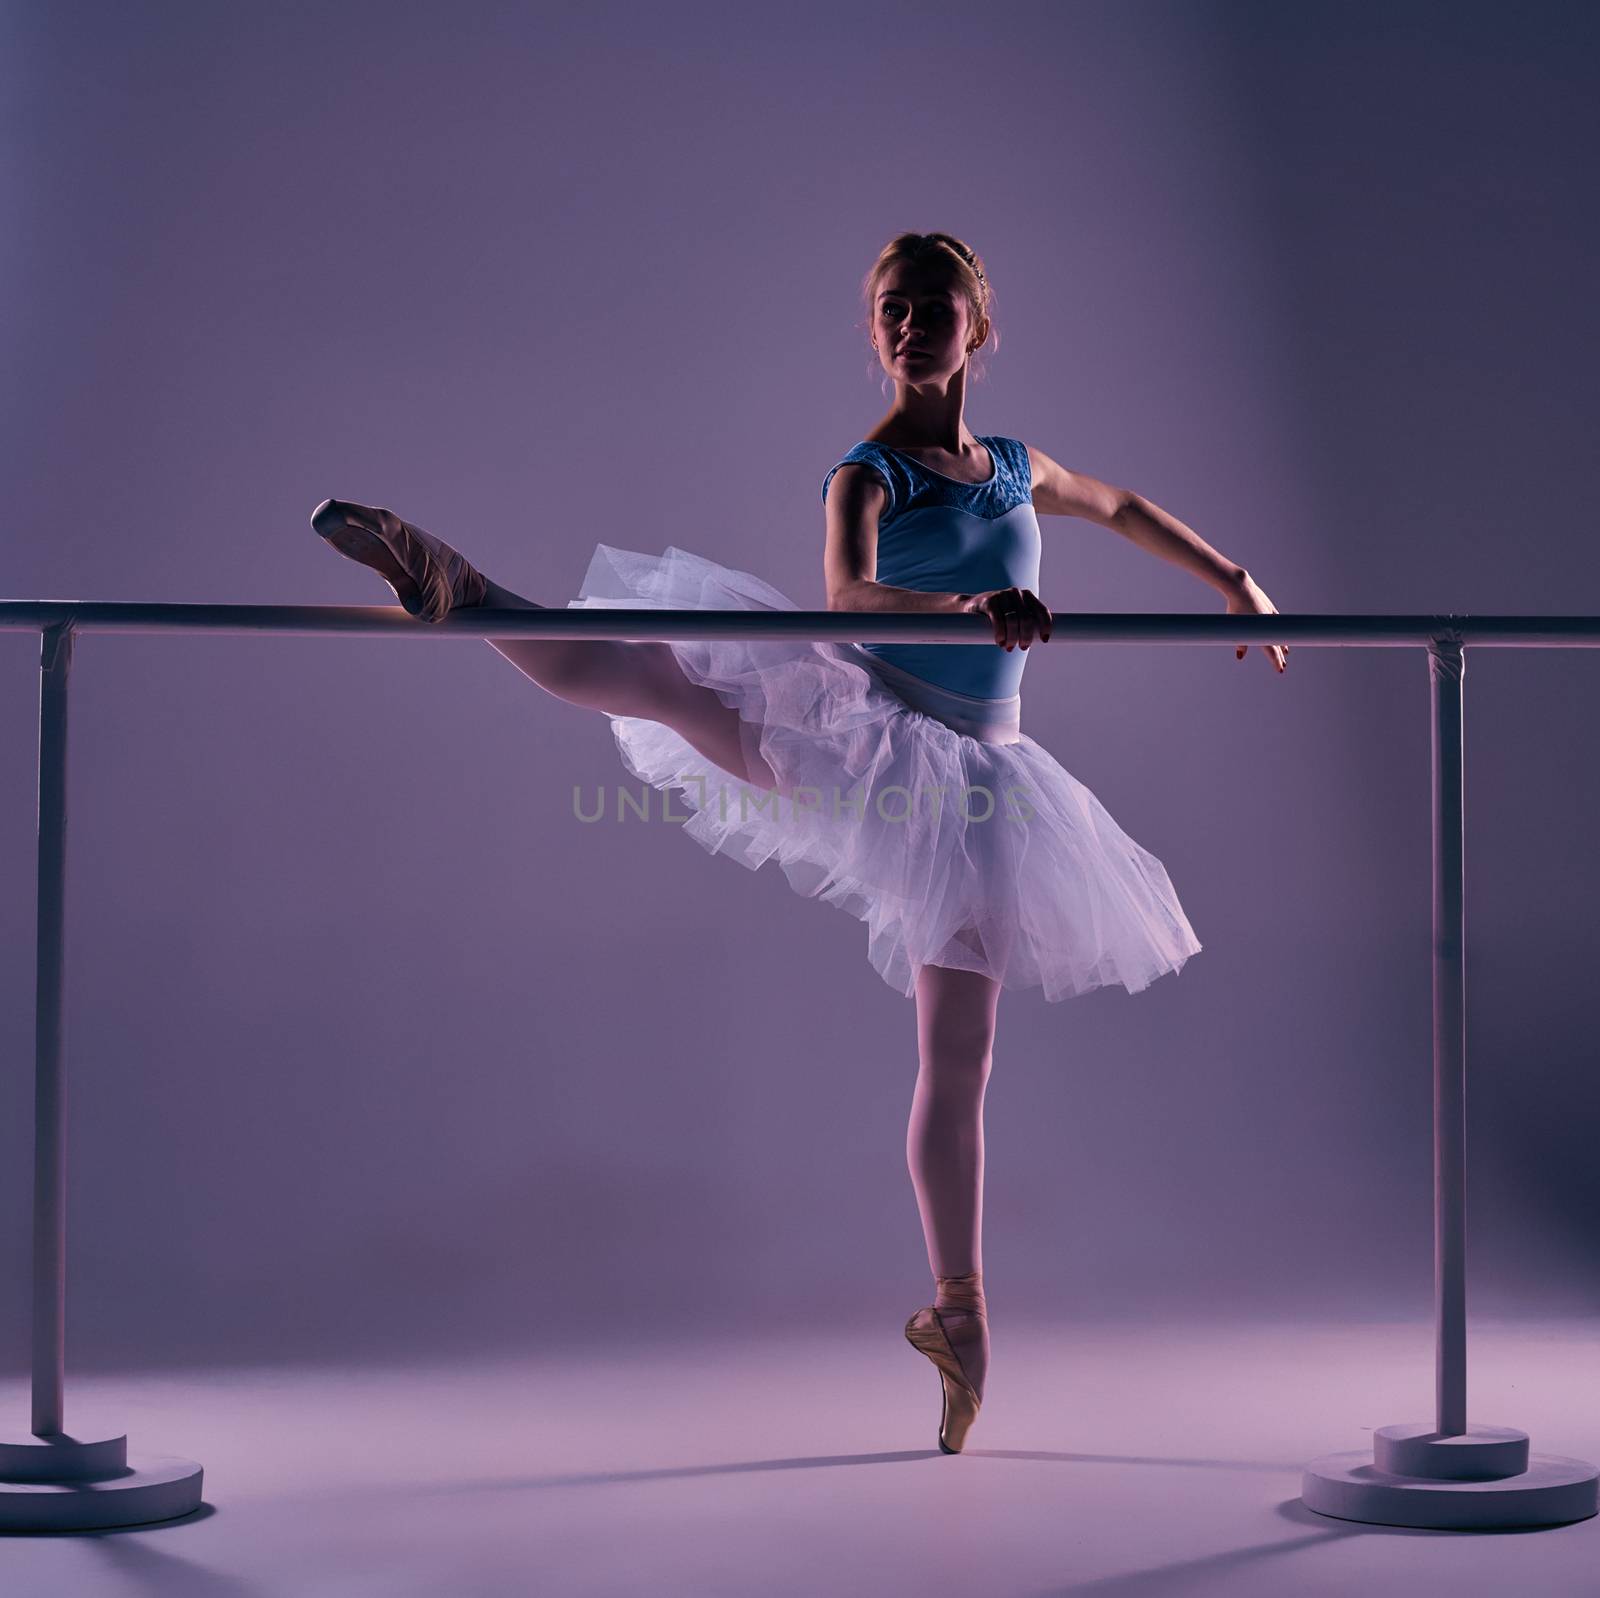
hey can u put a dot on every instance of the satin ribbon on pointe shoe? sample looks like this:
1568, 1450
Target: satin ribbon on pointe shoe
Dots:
963, 1292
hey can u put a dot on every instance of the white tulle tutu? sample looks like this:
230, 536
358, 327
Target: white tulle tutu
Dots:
1015, 869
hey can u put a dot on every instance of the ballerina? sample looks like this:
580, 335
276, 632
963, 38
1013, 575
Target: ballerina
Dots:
891, 780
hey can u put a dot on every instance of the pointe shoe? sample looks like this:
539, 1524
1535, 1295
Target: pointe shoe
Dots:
429, 577
925, 1331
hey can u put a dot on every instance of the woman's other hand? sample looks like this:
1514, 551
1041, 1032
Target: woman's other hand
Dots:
1249, 599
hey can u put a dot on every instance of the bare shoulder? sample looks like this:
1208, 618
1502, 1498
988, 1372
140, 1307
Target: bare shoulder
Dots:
1058, 491
856, 481
857, 498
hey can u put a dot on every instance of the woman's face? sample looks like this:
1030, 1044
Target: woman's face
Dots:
920, 325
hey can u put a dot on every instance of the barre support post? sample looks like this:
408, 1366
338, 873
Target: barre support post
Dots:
52, 1479
1450, 1475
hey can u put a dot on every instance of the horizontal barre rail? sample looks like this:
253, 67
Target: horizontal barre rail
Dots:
856, 626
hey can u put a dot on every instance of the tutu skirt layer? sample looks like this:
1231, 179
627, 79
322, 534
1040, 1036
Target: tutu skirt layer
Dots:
970, 848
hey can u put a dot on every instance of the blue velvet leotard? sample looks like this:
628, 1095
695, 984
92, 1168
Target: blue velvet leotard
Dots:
939, 534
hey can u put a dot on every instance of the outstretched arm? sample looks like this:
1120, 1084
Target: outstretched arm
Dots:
1058, 492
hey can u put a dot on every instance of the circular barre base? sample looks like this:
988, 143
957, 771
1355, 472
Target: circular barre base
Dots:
1552, 1491
77, 1455
1481, 1453
86, 1481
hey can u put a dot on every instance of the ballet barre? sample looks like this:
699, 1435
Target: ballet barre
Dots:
1447, 1474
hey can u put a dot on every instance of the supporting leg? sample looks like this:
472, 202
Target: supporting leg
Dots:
956, 1013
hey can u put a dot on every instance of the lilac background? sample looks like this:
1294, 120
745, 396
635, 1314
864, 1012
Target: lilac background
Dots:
372, 1045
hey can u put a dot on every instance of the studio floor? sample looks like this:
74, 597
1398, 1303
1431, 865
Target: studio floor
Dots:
1129, 1460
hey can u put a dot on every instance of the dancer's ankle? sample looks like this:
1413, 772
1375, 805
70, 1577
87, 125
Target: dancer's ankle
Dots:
497, 598
961, 1292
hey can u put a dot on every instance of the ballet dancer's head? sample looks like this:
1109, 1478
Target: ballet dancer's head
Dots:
927, 293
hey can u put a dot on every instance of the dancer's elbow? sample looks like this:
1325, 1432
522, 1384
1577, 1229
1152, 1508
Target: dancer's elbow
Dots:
850, 594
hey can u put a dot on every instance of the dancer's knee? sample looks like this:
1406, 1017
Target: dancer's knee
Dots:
957, 1068
956, 1012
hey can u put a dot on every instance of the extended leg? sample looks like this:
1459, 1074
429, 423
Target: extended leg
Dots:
431, 578
956, 1013
630, 679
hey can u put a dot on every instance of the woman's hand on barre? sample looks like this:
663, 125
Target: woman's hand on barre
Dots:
1018, 614
1248, 598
